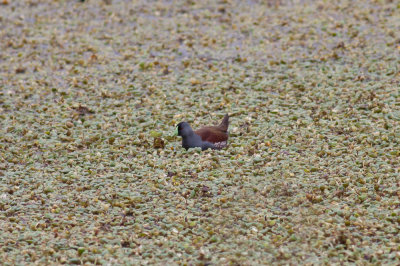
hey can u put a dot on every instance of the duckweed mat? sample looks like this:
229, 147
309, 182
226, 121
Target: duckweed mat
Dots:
90, 92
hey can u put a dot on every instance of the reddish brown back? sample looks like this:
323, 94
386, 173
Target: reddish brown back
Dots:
215, 134
212, 134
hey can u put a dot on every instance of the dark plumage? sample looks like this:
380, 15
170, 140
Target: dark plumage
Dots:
209, 137
190, 139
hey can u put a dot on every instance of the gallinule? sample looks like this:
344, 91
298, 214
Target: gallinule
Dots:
208, 137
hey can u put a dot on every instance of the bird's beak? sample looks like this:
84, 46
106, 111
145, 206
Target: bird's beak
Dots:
175, 132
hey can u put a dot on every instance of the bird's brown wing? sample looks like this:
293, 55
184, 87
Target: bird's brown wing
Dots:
212, 134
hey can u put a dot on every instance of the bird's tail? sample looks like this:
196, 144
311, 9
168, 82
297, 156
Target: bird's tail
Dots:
225, 123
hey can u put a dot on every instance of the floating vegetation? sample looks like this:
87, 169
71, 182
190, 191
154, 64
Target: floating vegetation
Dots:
91, 90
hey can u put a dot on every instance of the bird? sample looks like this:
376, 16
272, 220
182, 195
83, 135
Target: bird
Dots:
208, 137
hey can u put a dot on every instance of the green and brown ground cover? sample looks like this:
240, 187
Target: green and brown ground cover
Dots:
89, 93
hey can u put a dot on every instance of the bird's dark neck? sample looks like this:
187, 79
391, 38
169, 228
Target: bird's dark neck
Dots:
190, 140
